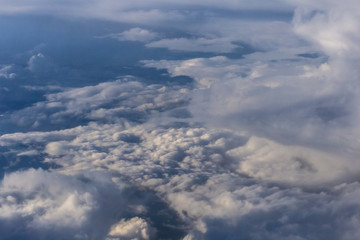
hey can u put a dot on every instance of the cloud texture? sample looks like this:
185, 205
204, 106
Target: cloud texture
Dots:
218, 121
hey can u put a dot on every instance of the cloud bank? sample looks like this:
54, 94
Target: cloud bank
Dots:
259, 141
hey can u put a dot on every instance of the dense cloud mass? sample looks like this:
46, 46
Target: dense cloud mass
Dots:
173, 120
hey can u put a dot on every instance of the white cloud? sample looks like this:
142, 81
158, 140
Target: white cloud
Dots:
302, 106
56, 148
135, 34
124, 99
243, 212
38, 203
193, 170
134, 228
293, 165
208, 74
6, 72
333, 26
46, 200
28, 153
272, 151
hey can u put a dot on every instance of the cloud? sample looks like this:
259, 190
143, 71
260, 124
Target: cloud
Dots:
36, 204
81, 7
135, 34
301, 104
292, 165
53, 204
195, 45
135, 228
6, 73
56, 148
192, 168
335, 26
201, 188
253, 211
207, 76
261, 146
42, 66
125, 98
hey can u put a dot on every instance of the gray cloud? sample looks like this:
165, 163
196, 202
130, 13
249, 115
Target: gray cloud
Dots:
195, 45
101, 9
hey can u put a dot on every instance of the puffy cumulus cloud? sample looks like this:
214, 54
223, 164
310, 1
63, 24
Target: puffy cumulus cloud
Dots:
70, 210
37, 203
125, 98
217, 181
289, 97
306, 120
135, 34
259, 212
199, 172
300, 112
207, 176
267, 147
235, 86
208, 75
56, 148
146, 157
219, 45
134, 228
141, 152
293, 165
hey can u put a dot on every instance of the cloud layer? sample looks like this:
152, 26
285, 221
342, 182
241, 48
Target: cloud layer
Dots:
215, 120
